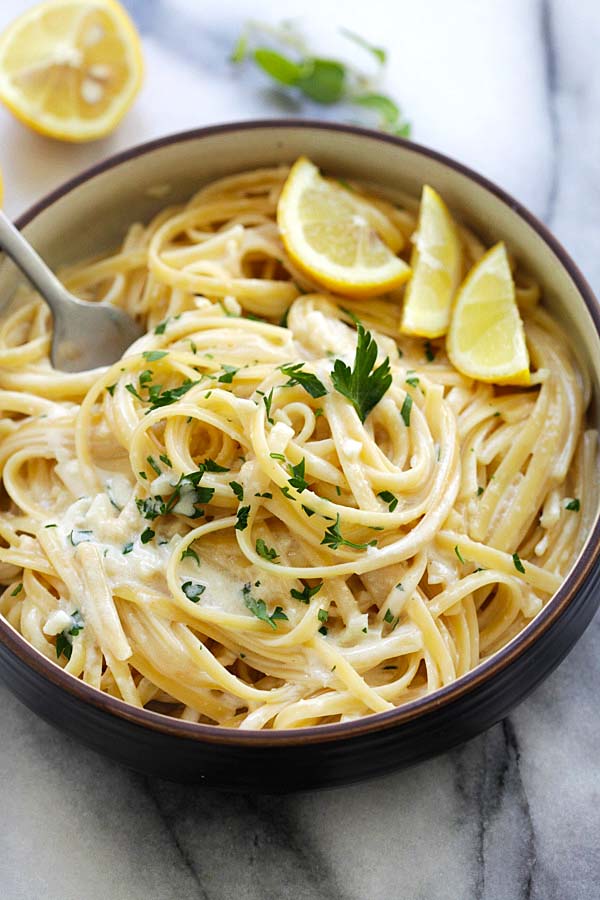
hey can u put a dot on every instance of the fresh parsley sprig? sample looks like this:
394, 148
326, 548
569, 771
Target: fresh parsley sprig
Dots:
363, 385
326, 80
258, 608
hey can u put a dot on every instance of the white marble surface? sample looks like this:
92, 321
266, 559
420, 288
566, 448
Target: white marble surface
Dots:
511, 87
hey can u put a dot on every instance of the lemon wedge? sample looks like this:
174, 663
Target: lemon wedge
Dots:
70, 69
335, 237
486, 339
436, 262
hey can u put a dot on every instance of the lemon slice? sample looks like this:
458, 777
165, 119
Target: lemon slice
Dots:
486, 339
71, 68
437, 265
333, 236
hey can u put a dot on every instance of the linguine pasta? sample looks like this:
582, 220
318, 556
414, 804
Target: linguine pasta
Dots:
208, 529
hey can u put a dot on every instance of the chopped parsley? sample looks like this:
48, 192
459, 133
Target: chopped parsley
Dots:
147, 535
406, 408
160, 329
333, 538
413, 380
188, 552
154, 355
573, 505
268, 400
193, 590
297, 480
153, 465
459, 554
322, 615
278, 456
258, 608
362, 385
164, 458
228, 373
307, 380
306, 593
309, 512
389, 616
17, 589
111, 388
389, 498
127, 548
265, 552
479, 491
518, 564
242, 518
237, 489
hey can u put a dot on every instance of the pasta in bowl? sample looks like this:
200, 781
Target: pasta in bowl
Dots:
278, 511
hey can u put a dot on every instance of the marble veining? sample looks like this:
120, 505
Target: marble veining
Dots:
511, 87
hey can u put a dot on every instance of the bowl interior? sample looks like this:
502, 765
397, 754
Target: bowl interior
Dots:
92, 214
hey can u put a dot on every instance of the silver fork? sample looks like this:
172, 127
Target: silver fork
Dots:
85, 335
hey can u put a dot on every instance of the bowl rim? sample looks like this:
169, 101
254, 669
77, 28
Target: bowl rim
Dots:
374, 722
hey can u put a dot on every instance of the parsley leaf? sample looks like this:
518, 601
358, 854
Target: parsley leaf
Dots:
193, 590
266, 552
413, 380
389, 616
228, 374
242, 518
333, 538
429, 351
573, 505
17, 589
79, 536
389, 498
459, 554
406, 408
304, 595
127, 548
188, 552
258, 608
63, 646
147, 535
153, 355
518, 564
160, 328
152, 463
298, 481
307, 380
237, 489
267, 400
363, 387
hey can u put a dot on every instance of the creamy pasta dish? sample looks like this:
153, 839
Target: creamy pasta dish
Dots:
281, 508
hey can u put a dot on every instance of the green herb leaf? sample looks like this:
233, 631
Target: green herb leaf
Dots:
77, 623
322, 615
518, 564
389, 498
304, 595
151, 462
164, 458
227, 377
333, 538
127, 548
413, 381
237, 489
479, 491
277, 66
132, 390
298, 481
266, 552
267, 400
17, 589
379, 103
378, 52
193, 590
406, 408
389, 616
158, 397
160, 329
573, 505
459, 554
258, 608
242, 518
363, 387
209, 465
191, 554
309, 512
239, 52
63, 646
153, 355
278, 456
429, 351
307, 380
323, 80
147, 535
111, 388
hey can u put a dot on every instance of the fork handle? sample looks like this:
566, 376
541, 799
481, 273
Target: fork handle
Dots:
33, 266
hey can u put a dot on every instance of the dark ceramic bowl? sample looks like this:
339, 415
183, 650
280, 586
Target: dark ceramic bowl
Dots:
90, 214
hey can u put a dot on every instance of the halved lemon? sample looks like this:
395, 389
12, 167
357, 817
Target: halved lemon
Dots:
486, 339
70, 69
334, 237
436, 262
